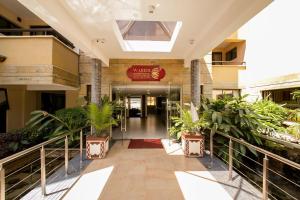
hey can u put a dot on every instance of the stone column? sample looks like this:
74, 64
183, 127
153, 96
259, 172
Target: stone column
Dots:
96, 82
195, 82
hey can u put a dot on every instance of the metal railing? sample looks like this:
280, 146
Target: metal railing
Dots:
239, 63
265, 165
42, 169
36, 32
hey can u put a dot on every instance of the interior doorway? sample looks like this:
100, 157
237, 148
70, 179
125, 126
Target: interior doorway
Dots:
146, 110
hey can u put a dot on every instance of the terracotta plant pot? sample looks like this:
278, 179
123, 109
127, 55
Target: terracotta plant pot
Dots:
193, 145
96, 147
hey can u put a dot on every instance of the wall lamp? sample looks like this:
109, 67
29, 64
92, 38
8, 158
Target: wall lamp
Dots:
2, 58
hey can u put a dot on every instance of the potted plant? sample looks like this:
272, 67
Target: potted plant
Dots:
100, 117
191, 133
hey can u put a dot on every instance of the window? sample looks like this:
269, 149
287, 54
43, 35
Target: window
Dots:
217, 56
151, 101
6, 24
53, 101
232, 54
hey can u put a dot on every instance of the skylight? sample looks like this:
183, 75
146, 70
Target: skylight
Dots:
147, 36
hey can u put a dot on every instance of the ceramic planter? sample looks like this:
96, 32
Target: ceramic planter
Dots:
96, 147
193, 145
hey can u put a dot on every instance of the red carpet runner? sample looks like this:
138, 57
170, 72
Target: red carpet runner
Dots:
145, 144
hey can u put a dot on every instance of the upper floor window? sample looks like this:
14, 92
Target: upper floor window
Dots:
232, 54
217, 56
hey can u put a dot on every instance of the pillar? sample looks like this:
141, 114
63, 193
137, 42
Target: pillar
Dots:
195, 82
96, 82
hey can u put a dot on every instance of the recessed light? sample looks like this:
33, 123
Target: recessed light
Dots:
152, 8
100, 41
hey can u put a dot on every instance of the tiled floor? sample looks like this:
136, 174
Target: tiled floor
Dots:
142, 128
157, 174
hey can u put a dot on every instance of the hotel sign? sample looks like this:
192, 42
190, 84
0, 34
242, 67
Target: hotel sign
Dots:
146, 73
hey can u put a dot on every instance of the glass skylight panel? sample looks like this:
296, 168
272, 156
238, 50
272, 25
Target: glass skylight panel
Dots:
147, 36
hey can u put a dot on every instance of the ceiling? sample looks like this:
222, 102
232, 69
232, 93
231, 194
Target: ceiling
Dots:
18, 9
205, 23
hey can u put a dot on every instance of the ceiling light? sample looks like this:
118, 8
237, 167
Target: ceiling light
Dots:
152, 8
192, 41
100, 41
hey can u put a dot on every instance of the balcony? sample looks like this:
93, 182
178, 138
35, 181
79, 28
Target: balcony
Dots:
38, 60
226, 75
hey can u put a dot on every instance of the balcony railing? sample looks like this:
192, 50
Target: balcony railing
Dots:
8, 192
264, 173
35, 32
232, 141
239, 63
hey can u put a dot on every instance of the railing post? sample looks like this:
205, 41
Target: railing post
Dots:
66, 155
211, 148
230, 160
2, 182
43, 171
81, 147
265, 177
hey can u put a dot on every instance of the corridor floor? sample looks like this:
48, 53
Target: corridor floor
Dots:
157, 174
151, 127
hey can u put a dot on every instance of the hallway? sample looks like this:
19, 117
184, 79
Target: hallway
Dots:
151, 127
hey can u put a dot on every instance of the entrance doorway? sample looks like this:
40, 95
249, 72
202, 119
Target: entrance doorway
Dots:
3, 108
145, 110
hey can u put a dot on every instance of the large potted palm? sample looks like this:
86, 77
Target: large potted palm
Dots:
191, 133
97, 142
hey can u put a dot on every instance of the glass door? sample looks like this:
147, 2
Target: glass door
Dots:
173, 100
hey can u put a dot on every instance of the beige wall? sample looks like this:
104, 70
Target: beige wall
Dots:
226, 76
26, 51
37, 60
176, 74
72, 98
64, 57
21, 104
116, 74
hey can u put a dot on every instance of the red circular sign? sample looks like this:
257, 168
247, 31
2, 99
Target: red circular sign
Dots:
146, 73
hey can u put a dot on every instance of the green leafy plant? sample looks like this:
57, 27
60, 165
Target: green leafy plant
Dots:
100, 117
294, 130
294, 115
69, 120
28, 137
236, 117
296, 94
272, 115
186, 124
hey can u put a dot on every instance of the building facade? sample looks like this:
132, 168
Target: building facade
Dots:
42, 70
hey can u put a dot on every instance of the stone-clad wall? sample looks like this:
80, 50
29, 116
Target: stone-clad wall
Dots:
176, 74
116, 74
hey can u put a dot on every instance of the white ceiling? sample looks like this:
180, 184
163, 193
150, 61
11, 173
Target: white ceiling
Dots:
204, 22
